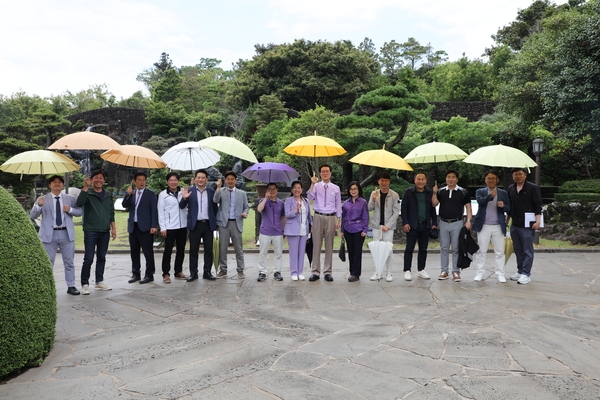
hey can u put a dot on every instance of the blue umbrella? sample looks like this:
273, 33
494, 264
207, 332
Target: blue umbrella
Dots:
271, 172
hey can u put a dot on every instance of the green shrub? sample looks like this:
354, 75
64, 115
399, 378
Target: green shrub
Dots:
584, 186
27, 291
570, 197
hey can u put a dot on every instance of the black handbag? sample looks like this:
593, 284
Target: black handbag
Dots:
342, 252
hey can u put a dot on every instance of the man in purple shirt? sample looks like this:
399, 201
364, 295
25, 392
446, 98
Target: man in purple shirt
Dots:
327, 203
271, 231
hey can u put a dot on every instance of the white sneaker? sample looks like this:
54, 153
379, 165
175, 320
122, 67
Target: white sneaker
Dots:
524, 280
423, 275
478, 278
407, 276
85, 289
389, 278
501, 279
301, 277
515, 277
294, 277
375, 277
102, 286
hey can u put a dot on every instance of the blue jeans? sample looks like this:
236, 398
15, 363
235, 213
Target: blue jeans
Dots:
420, 235
94, 242
523, 243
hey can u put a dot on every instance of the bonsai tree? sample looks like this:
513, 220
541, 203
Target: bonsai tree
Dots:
27, 291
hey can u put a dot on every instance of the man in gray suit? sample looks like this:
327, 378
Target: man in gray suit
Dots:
57, 229
385, 204
233, 209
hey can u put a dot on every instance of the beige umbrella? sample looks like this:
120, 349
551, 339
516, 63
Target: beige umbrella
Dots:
37, 162
84, 141
381, 158
435, 152
315, 146
500, 156
134, 156
229, 145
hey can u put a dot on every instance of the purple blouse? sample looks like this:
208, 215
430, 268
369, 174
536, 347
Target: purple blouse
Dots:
355, 216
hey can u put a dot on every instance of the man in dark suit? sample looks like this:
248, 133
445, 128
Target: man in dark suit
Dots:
56, 230
142, 225
233, 209
201, 222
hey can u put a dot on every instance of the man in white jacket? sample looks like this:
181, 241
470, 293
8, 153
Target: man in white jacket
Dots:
173, 227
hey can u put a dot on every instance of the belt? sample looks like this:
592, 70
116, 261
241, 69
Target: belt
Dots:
202, 220
451, 220
421, 222
60, 229
324, 214
231, 219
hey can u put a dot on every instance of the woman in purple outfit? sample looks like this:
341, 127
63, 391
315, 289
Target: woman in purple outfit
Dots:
355, 222
297, 227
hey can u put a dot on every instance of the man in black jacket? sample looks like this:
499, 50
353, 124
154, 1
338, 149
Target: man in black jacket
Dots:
526, 213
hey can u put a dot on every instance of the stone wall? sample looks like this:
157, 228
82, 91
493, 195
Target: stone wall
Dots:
472, 110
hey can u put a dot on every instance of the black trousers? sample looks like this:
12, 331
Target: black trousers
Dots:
175, 237
201, 232
420, 235
145, 241
354, 244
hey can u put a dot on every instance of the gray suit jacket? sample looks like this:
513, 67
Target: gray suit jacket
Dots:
47, 211
241, 206
390, 212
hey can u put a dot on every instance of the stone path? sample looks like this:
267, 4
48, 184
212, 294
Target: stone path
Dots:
244, 340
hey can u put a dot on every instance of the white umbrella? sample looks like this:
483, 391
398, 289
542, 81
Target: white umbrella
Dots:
380, 251
190, 156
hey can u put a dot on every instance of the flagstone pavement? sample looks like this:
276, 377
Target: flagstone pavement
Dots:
243, 339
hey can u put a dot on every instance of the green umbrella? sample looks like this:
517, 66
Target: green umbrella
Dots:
216, 252
434, 152
500, 156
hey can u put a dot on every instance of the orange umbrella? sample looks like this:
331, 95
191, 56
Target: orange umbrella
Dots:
84, 141
134, 156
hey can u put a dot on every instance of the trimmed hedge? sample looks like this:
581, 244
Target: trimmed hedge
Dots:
27, 291
579, 197
584, 186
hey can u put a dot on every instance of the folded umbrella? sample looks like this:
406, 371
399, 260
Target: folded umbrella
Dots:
508, 247
380, 251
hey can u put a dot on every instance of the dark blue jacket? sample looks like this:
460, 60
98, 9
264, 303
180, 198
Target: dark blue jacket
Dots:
192, 204
409, 208
147, 210
483, 198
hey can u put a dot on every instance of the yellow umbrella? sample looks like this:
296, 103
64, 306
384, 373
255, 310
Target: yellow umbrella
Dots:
315, 146
84, 141
229, 145
381, 158
435, 152
134, 156
37, 162
500, 156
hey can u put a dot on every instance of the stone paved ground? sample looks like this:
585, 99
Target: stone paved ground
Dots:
243, 339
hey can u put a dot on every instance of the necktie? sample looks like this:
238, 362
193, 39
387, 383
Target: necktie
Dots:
58, 212
138, 197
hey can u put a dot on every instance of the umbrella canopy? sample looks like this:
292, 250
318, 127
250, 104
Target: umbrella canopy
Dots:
435, 152
189, 156
36, 162
381, 158
134, 156
84, 141
271, 172
315, 146
500, 156
380, 251
229, 145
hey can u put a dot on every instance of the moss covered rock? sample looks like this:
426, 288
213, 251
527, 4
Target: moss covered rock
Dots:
27, 291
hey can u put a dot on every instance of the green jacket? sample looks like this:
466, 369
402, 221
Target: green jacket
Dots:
97, 214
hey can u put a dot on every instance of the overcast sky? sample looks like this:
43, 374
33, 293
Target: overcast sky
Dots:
51, 46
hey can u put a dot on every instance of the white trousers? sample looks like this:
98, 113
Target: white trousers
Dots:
493, 233
265, 242
388, 236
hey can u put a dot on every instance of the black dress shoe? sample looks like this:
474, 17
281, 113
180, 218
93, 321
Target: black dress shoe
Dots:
73, 290
313, 278
134, 278
328, 278
209, 277
147, 279
353, 278
192, 278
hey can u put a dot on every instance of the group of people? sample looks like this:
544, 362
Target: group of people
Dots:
198, 211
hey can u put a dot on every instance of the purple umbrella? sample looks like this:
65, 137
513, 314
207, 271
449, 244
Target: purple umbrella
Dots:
271, 172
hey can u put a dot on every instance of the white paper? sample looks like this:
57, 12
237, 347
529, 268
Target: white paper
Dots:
530, 219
